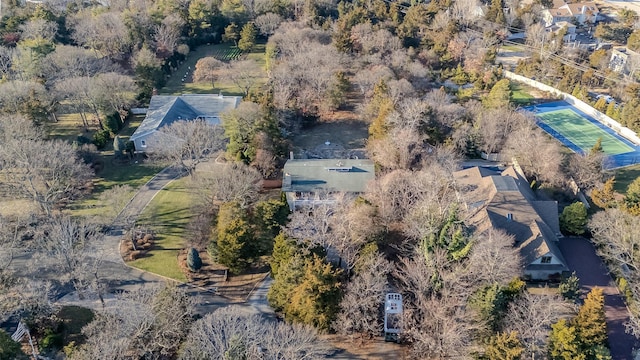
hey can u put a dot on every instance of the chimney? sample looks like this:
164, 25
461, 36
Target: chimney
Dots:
290, 155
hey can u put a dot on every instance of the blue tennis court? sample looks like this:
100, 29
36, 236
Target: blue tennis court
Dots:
579, 132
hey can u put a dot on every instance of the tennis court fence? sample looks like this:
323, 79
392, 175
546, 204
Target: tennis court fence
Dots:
579, 104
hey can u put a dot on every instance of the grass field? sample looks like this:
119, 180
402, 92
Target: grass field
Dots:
168, 215
582, 132
223, 52
520, 94
625, 176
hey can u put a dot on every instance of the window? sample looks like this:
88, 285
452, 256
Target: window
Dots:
143, 143
545, 260
509, 217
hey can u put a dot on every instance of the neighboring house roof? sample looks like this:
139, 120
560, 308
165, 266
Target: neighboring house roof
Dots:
166, 109
505, 201
330, 175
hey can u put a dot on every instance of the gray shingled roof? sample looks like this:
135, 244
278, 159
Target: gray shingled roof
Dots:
508, 205
165, 109
333, 175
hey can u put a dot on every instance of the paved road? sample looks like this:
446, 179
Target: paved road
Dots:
581, 258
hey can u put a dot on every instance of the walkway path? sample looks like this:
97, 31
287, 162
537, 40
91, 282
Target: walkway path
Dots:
581, 258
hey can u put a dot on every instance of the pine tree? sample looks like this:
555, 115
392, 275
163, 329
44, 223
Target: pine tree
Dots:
570, 287
194, 262
500, 94
504, 346
231, 33
574, 218
247, 37
233, 237
380, 107
284, 248
632, 198
601, 104
597, 147
612, 111
605, 197
564, 343
590, 323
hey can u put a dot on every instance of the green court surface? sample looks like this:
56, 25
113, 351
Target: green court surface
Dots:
581, 131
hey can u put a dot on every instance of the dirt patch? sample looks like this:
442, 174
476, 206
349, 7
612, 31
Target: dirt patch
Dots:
374, 349
349, 135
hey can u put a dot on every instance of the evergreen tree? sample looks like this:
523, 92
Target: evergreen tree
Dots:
504, 346
500, 95
564, 343
597, 147
233, 237
194, 262
570, 287
9, 349
247, 37
601, 104
380, 107
490, 303
306, 290
574, 219
590, 323
612, 111
632, 198
231, 34
284, 249
118, 146
268, 218
605, 197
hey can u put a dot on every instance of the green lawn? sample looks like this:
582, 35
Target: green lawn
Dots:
520, 94
168, 215
223, 52
582, 132
625, 176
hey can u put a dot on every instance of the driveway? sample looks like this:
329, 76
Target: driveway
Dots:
581, 257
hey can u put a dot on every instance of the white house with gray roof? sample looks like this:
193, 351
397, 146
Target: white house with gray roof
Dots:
166, 109
309, 182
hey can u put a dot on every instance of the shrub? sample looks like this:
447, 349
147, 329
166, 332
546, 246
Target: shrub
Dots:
113, 122
101, 138
193, 260
574, 219
134, 255
51, 340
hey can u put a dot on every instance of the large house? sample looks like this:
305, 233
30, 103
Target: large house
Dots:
309, 182
166, 109
582, 13
503, 200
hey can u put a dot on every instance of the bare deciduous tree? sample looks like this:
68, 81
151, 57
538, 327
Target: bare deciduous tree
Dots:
493, 258
531, 316
186, 143
245, 74
207, 69
232, 182
149, 323
103, 32
268, 23
587, 170
236, 334
361, 313
46, 172
39, 29
68, 249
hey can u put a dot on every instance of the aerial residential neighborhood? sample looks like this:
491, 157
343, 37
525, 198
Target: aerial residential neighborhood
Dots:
320, 180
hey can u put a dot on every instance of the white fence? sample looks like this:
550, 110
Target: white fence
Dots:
581, 105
